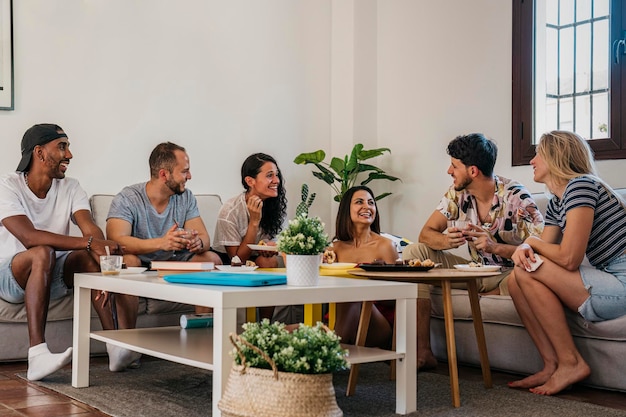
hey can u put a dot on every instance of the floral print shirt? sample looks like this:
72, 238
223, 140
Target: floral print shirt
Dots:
513, 216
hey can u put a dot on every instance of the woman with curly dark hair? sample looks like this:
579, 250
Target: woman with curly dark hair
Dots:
255, 215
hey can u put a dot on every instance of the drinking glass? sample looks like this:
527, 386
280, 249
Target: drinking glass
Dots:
110, 264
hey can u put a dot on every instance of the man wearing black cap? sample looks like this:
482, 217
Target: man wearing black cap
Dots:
38, 258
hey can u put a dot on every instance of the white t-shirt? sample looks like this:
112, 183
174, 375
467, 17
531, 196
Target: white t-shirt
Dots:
232, 224
52, 214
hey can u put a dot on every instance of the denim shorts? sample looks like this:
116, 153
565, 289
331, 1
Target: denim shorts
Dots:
11, 292
607, 290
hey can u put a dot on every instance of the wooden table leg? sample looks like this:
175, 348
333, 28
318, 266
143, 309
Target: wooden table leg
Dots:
361, 335
480, 332
451, 342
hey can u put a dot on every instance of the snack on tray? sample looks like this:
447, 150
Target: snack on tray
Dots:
417, 262
235, 261
474, 265
250, 263
262, 243
329, 256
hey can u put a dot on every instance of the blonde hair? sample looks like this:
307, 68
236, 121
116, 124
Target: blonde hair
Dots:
567, 155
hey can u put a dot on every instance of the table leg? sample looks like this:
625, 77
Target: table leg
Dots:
406, 368
82, 328
332, 308
451, 342
480, 332
361, 335
224, 322
312, 314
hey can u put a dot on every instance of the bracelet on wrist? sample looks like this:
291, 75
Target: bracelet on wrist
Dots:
89, 243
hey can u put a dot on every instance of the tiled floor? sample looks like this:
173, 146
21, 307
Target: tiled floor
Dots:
20, 398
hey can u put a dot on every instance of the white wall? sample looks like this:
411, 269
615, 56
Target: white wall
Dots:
223, 78
444, 69
226, 78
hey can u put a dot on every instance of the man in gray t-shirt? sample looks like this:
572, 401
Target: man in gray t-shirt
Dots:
159, 219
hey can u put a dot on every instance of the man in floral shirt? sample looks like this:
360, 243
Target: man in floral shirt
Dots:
498, 215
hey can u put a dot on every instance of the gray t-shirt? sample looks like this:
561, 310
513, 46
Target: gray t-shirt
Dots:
133, 205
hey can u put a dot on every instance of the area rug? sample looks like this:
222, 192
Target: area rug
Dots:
164, 389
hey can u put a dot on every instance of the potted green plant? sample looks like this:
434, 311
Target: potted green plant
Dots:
303, 241
342, 174
282, 374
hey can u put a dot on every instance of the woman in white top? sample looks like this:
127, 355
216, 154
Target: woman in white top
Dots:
254, 215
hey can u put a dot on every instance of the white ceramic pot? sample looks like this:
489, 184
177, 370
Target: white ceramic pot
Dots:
303, 270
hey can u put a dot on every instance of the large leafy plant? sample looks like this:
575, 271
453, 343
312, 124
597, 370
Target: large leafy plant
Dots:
342, 174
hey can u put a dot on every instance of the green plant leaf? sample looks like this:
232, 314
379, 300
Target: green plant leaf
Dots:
371, 153
378, 176
366, 167
338, 165
310, 157
381, 196
353, 162
327, 178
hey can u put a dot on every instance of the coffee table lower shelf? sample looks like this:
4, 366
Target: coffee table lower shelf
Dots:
194, 347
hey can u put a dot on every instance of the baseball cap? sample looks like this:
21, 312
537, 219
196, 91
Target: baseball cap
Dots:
37, 135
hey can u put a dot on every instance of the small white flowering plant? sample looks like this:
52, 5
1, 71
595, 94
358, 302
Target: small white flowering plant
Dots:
306, 350
303, 236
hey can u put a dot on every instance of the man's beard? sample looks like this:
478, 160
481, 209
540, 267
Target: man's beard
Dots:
464, 185
175, 187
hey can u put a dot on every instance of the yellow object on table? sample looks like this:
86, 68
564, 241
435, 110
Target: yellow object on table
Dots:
313, 312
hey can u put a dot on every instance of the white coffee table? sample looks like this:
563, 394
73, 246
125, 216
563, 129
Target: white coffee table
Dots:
209, 348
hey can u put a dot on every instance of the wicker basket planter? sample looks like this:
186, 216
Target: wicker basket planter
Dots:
255, 392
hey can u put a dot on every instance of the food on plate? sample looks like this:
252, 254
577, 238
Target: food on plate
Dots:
329, 256
235, 261
378, 262
417, 262
262, 243
250, 263
474, 265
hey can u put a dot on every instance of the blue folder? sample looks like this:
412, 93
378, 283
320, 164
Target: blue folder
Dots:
237, 279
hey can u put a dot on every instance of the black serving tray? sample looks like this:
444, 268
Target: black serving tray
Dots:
393, 268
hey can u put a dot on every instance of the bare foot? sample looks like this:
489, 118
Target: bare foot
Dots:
534, 380
563, 378
426, 361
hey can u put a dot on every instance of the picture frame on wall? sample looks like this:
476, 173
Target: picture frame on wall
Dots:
6, 55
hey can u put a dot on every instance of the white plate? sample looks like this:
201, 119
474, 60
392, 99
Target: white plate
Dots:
486, 268
338, 265
134, 270
266, 248
241, 268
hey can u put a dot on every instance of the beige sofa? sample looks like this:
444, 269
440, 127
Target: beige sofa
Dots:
152, 313
602, 344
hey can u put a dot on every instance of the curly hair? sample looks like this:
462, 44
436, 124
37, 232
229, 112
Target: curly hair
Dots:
475, 149
275, 208
344, 225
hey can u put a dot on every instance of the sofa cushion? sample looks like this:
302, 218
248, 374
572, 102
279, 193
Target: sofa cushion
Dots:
499, 309
208, 204
59, 309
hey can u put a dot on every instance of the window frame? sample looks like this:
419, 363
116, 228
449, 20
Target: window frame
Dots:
613, 147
